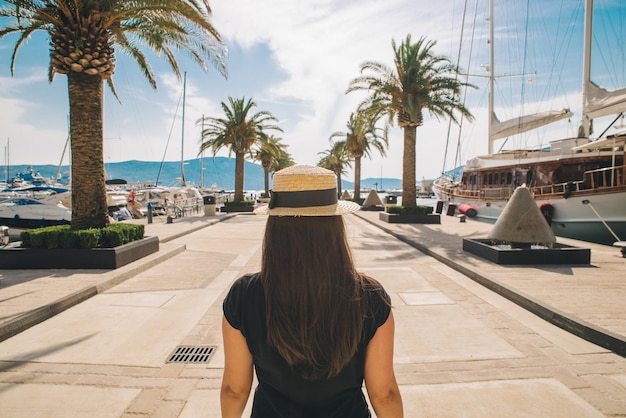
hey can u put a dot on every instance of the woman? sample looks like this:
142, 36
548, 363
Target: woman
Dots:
312, 327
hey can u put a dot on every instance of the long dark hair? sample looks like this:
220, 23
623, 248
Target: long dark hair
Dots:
314, 296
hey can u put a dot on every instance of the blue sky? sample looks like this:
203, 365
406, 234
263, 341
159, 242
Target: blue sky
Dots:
295, 59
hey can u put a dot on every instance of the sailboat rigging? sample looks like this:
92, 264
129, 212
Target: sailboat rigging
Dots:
182, 136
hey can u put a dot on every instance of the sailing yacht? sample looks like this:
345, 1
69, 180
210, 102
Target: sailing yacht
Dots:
578, 183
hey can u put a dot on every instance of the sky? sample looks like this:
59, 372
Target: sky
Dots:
295, 59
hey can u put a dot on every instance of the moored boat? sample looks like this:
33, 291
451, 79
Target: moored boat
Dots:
578, 183
24, 212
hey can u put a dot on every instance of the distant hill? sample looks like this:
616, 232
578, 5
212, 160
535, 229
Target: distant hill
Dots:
218, 171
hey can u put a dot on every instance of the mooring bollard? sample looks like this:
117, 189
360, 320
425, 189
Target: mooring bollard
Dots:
149, 212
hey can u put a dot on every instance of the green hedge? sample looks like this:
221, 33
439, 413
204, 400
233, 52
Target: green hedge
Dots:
415, 210
61, 236
240, 203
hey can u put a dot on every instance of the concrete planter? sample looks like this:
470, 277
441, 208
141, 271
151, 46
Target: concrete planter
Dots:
233, 208
559, 254
78, 258
396, 218
372, 208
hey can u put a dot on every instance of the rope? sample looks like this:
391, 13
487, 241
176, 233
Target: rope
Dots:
586, 202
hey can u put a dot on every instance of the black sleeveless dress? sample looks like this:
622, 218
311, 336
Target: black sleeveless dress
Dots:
282, 393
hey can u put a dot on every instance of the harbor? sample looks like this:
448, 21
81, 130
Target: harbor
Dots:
473, 338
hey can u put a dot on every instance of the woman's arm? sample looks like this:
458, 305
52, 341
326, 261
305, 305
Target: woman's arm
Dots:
380, 380
237, 379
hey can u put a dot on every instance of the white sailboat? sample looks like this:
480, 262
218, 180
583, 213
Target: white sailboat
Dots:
175, 201
579, 183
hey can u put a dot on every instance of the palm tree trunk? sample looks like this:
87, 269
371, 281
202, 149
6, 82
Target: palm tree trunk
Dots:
339, 185
266, 177
357, 178
239, 167
89, 205
408, 167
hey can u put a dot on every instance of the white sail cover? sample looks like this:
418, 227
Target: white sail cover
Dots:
525, 123
611, 142
601, 102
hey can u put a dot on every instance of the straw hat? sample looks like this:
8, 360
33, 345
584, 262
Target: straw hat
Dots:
304, 190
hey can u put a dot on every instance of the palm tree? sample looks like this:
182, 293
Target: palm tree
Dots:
362, 135
83, 36
282, 160
269, 151
239, 132
419, 80
336, 159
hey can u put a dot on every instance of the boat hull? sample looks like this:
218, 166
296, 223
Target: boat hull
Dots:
31, 223
584, 217
31, 213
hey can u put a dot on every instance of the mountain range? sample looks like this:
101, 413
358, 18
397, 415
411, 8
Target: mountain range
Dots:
218, 171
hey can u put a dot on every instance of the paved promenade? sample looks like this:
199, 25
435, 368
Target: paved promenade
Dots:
97, 343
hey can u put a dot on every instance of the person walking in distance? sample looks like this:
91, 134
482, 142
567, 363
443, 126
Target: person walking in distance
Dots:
311, 326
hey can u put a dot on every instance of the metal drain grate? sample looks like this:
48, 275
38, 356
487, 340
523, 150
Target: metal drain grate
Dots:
191, 354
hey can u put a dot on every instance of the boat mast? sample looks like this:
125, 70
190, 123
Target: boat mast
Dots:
202, 157
182, 138
7, 159
585, 125
57, 176
491, 79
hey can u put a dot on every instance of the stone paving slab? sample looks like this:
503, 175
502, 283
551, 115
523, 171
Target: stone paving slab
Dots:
585, 299
51, 400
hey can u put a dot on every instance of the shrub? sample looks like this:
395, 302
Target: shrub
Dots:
119, 234
88, 238
68, 239
240, 203
61, 236
416, 210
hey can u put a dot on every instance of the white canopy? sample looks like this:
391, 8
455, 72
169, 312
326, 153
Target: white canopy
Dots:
606, 143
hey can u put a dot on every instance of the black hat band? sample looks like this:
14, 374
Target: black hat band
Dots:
303, 198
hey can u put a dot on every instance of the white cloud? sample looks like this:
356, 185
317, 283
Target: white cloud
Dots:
320, 46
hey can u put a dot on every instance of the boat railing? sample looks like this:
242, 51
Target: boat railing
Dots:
184, 207
601, 178
605, 177
558, 188
495, 193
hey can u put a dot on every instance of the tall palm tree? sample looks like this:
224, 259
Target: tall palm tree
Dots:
336, 159
361, 137
239, 131
83, 37
420, 80
269, 151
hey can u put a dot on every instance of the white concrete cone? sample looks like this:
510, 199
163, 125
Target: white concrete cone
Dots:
372, 200
521, 221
